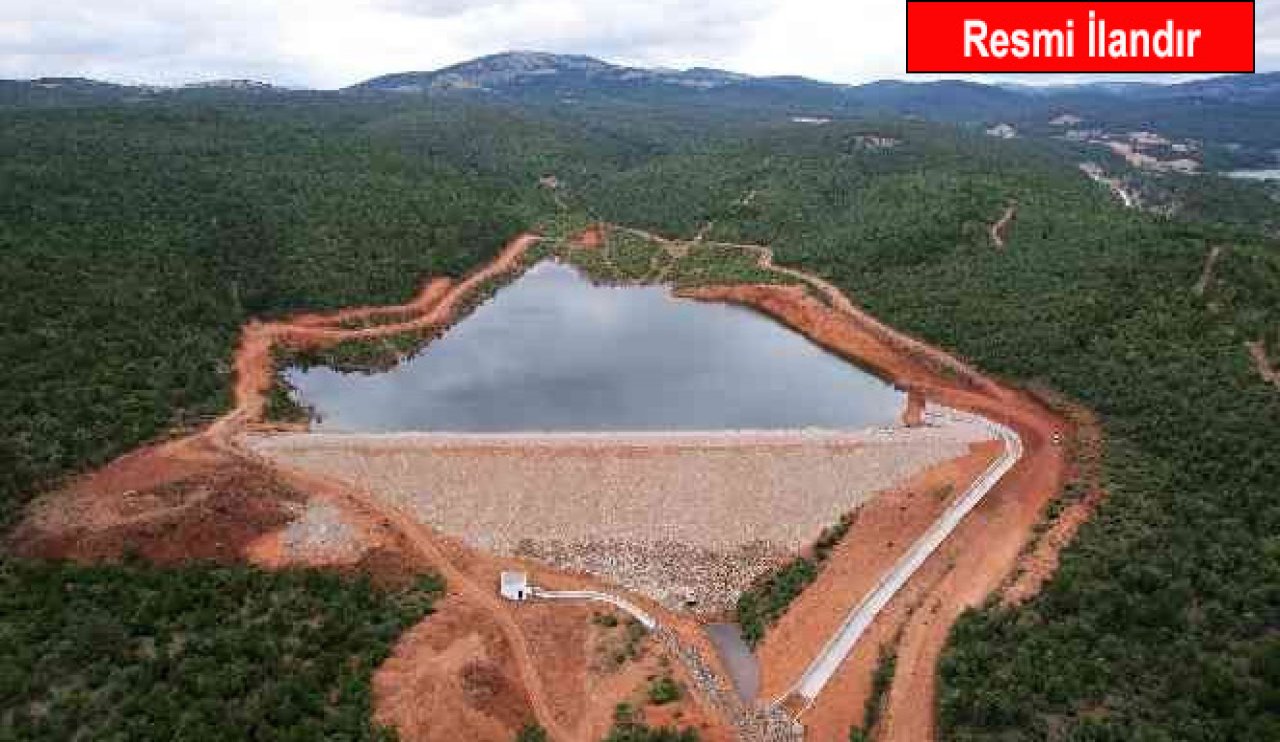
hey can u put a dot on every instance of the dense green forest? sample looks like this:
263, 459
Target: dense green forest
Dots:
134, 239
204, 653
133, 244
1161, 623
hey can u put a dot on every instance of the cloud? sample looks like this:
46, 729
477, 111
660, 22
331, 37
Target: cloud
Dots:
330, 43
434, 8
154, 41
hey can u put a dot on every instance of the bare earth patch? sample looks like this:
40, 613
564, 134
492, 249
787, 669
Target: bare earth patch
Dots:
474, 671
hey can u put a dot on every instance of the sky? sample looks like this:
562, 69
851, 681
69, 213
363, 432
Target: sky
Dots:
334, 43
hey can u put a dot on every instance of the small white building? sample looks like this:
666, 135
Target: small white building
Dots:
1002, 131
515, 585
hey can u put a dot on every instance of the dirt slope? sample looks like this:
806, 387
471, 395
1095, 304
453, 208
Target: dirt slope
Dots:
491, 661
982, 552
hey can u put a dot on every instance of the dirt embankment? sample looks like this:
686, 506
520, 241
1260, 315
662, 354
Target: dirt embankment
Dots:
884, 529
496, 654
200, 496
171, 502
981, 553
435, 307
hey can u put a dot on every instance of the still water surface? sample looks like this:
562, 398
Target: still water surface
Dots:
552, 352
1262, 174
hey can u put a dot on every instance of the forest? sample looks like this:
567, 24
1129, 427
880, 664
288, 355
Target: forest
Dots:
131, 652
1160, 623
135, 239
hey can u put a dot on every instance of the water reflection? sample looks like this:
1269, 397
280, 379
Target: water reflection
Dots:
552, 352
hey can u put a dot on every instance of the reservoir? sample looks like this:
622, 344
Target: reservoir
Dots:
1263, 174
552, 352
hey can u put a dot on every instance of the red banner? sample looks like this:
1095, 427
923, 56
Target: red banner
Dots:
952, 36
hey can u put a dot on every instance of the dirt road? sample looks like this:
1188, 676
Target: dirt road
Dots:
1258, 352
460, 583
991, 538
1000, 229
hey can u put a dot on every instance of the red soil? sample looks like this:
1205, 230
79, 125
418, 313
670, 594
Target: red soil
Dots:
451, 678
1039, 562
592, 237
171, 502
483, 661
990, 539
432, 292
885, 527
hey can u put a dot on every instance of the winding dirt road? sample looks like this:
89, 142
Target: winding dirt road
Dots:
985, 547
991, 537
1000, 229
1258, 352
460, 583
434, 307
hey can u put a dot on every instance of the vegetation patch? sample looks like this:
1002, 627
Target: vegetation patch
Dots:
629, 726
663, 690
764, 603
201, 653
881, 681
627, 257
531, 733
705, 264
623, 642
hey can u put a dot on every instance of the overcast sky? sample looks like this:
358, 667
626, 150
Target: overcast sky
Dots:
333, 43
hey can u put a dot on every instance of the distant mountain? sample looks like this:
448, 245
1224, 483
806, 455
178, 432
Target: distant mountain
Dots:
1242, 110
540, 76
55, 90
515, 70
1237, 88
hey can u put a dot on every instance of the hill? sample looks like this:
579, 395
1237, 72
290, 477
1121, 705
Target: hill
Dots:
139, 228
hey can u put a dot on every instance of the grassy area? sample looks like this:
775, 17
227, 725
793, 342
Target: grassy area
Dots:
630, 258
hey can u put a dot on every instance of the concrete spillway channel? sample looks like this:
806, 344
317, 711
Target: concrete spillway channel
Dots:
828, 661
644, 618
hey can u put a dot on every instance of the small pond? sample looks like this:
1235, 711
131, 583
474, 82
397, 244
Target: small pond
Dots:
553, 352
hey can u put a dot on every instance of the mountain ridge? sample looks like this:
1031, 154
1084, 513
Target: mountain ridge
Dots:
503, 69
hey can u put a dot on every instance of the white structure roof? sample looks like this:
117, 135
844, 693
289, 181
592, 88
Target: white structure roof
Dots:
514, 585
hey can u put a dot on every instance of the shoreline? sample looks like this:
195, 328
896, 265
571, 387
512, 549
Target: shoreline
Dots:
673, 439
989, 543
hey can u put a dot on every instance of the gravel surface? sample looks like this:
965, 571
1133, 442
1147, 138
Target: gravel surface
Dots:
677, 516
676, 574
320, 534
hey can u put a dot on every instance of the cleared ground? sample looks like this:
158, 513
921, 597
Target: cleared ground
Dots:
678, 517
